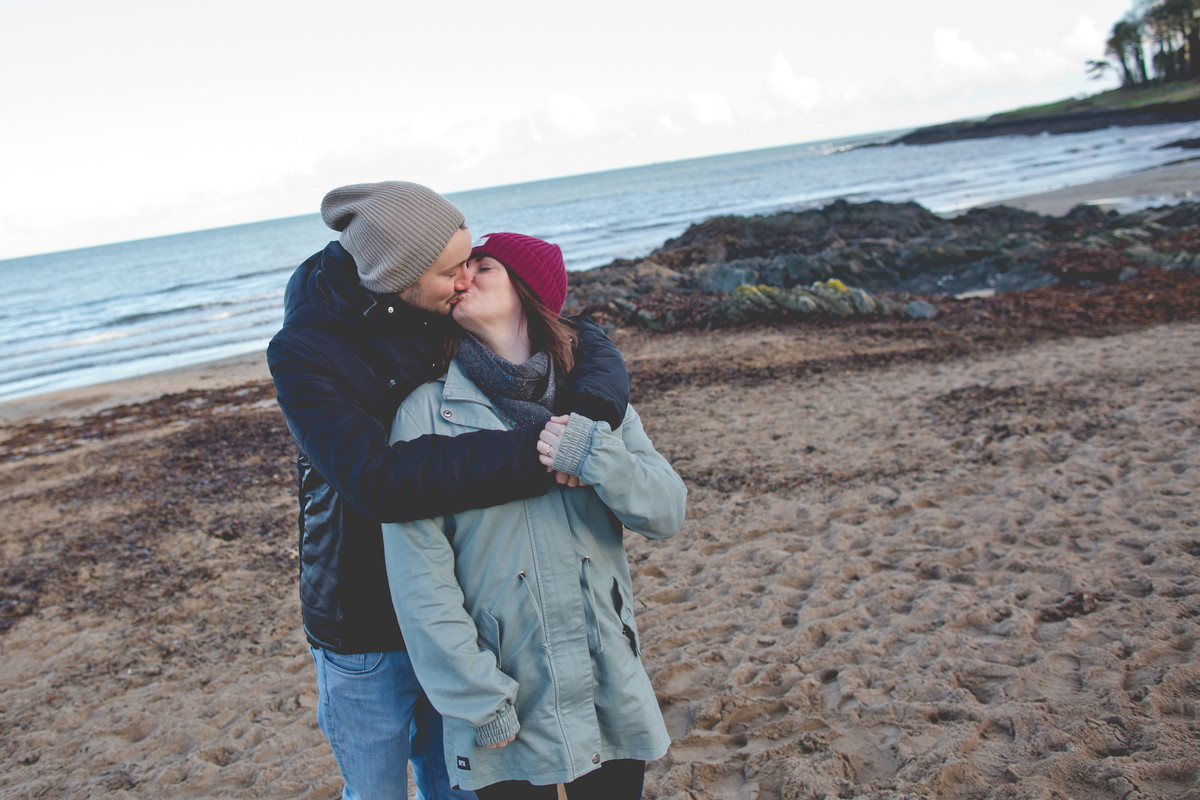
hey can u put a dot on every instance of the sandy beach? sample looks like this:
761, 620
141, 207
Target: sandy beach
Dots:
1163, 185
946, 559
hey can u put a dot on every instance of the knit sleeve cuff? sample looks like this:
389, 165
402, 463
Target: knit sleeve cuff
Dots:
501, 729
575, 445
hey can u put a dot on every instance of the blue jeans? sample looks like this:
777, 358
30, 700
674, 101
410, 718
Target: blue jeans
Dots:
377, 718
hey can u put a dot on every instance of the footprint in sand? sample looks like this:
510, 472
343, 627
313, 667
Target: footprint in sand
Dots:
835, 697
752, 716
990, 684
668, 597
1057, 676
992, 750
220, 756
681, 679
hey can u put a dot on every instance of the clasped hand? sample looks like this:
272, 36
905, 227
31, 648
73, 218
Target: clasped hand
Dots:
549, 441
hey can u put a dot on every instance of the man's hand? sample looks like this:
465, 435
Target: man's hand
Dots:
568, 480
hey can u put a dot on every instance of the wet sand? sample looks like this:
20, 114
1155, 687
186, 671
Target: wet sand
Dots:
1159, 186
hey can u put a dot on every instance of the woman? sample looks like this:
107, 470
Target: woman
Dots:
519, 617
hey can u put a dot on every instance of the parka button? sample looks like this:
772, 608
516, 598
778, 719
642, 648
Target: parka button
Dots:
391, 309
447, 413
595, 758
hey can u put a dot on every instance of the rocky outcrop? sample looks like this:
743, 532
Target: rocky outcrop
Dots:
885, 255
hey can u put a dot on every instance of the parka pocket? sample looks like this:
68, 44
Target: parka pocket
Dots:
522, 626
537, 609
489, 635
624, 610
595, 643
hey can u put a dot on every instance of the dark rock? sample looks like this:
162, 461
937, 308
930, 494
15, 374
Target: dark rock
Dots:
921, 309
1186, 144
724, 278
730, 238
999, 219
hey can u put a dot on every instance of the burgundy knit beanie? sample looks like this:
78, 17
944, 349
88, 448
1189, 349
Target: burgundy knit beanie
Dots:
538, 263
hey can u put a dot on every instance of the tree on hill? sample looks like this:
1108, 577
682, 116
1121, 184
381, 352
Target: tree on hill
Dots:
1125, 45
1169, 28
1176, 33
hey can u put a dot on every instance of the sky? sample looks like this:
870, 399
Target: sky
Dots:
135, 118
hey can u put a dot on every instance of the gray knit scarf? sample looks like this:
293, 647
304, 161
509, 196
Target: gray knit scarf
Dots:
522, 394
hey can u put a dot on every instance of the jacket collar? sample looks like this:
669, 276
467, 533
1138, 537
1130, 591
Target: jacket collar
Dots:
464, 403
457, 386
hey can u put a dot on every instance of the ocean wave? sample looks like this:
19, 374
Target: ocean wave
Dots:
100, 330
67, 362
271, 299
117, 344
82, 375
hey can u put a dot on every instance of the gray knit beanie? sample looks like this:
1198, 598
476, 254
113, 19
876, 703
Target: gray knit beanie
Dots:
395, 230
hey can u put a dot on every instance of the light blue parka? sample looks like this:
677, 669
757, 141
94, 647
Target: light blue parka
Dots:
520, 616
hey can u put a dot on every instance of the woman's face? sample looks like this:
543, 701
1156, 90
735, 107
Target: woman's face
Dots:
492, 300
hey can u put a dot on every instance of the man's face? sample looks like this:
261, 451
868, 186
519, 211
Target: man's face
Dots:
439, 288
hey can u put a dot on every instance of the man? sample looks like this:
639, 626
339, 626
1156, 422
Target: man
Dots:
365, 323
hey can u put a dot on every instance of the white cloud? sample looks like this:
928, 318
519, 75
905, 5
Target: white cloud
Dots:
953, 51
426, 127
711, 108
801, 91
571, 115
1086, 40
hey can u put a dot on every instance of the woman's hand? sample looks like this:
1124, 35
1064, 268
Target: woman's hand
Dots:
549, 441
501, 744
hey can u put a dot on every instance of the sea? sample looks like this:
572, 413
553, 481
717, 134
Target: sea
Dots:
80, 317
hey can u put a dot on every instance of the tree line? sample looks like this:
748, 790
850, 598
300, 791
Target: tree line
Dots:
1156, 42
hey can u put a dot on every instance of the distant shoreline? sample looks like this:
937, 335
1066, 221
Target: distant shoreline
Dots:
1073, 117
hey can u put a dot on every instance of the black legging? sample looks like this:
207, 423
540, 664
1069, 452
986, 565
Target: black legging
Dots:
614, 780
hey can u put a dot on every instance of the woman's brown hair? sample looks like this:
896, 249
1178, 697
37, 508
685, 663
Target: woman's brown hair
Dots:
547, 330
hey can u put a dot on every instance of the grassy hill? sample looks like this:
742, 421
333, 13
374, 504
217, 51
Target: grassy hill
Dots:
1174, 102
